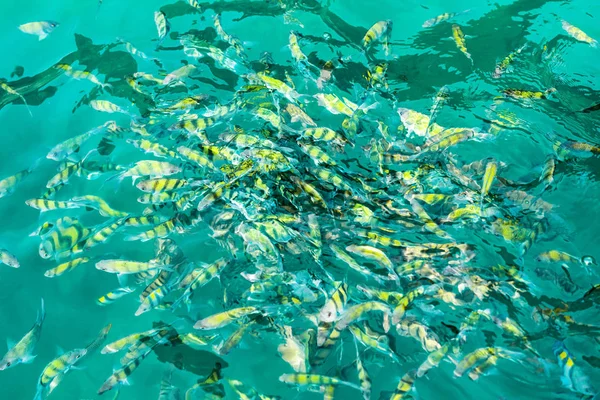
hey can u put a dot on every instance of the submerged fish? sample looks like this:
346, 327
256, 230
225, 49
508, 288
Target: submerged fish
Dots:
22, 351
41, 29
284, 204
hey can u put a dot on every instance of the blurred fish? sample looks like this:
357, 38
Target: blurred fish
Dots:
22, 351
41, 29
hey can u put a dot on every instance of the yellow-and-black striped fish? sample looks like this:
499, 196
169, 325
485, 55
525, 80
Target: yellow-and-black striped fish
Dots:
459, 39
381, 30
404, 386
66, 267
114, 295
314, 379
48, 205
102, 234
163, 26
120, 376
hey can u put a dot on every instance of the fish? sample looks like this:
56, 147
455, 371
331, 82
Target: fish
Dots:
234, 42
285, 203
106, 106
224, 318
149, 168
65, 149
114, 295
488, 179
9, 184
120, 376
41, 29
78, 75
439, 19
9, 259
66, 267
55, 370
578, 34
313, 379
334, 306
405, 385
131, 49
163, 26
126, 267
178, 74
381, 30
504, 65
459, 39
22, 351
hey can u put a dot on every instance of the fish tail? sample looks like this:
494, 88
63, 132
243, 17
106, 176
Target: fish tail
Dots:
41, 314
119, 177
39, 393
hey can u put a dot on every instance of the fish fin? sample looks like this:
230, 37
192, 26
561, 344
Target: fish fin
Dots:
566, 381
10, 343
122, 278
42, 36
28, 359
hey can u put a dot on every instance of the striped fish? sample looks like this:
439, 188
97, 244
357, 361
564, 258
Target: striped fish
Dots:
163, 26
404, 386
335, 305
120, 376
198, 278
126, 267
224, 318
157, 185
49, 205
66, 267
66, 234
126, 341
114, 295
195, 157
313, 379
9, 184
107, 107
153, 299
79, 75
99, 204
102, 234
381, 30
131, 49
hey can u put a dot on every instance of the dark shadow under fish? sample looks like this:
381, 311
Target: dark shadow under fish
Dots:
595, 107
18, 72
184, 357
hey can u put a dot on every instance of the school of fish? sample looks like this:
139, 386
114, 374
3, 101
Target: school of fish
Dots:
341, 219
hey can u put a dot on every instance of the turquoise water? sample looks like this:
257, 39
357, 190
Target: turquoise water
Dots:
518, 134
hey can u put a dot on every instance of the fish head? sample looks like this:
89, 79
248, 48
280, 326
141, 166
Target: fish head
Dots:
9, 361
327, 313
144, 185
106, 387
43, 251
55, 155
173, 169
142, 309
101, 266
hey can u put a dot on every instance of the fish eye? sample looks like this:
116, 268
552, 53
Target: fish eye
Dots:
8, 363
